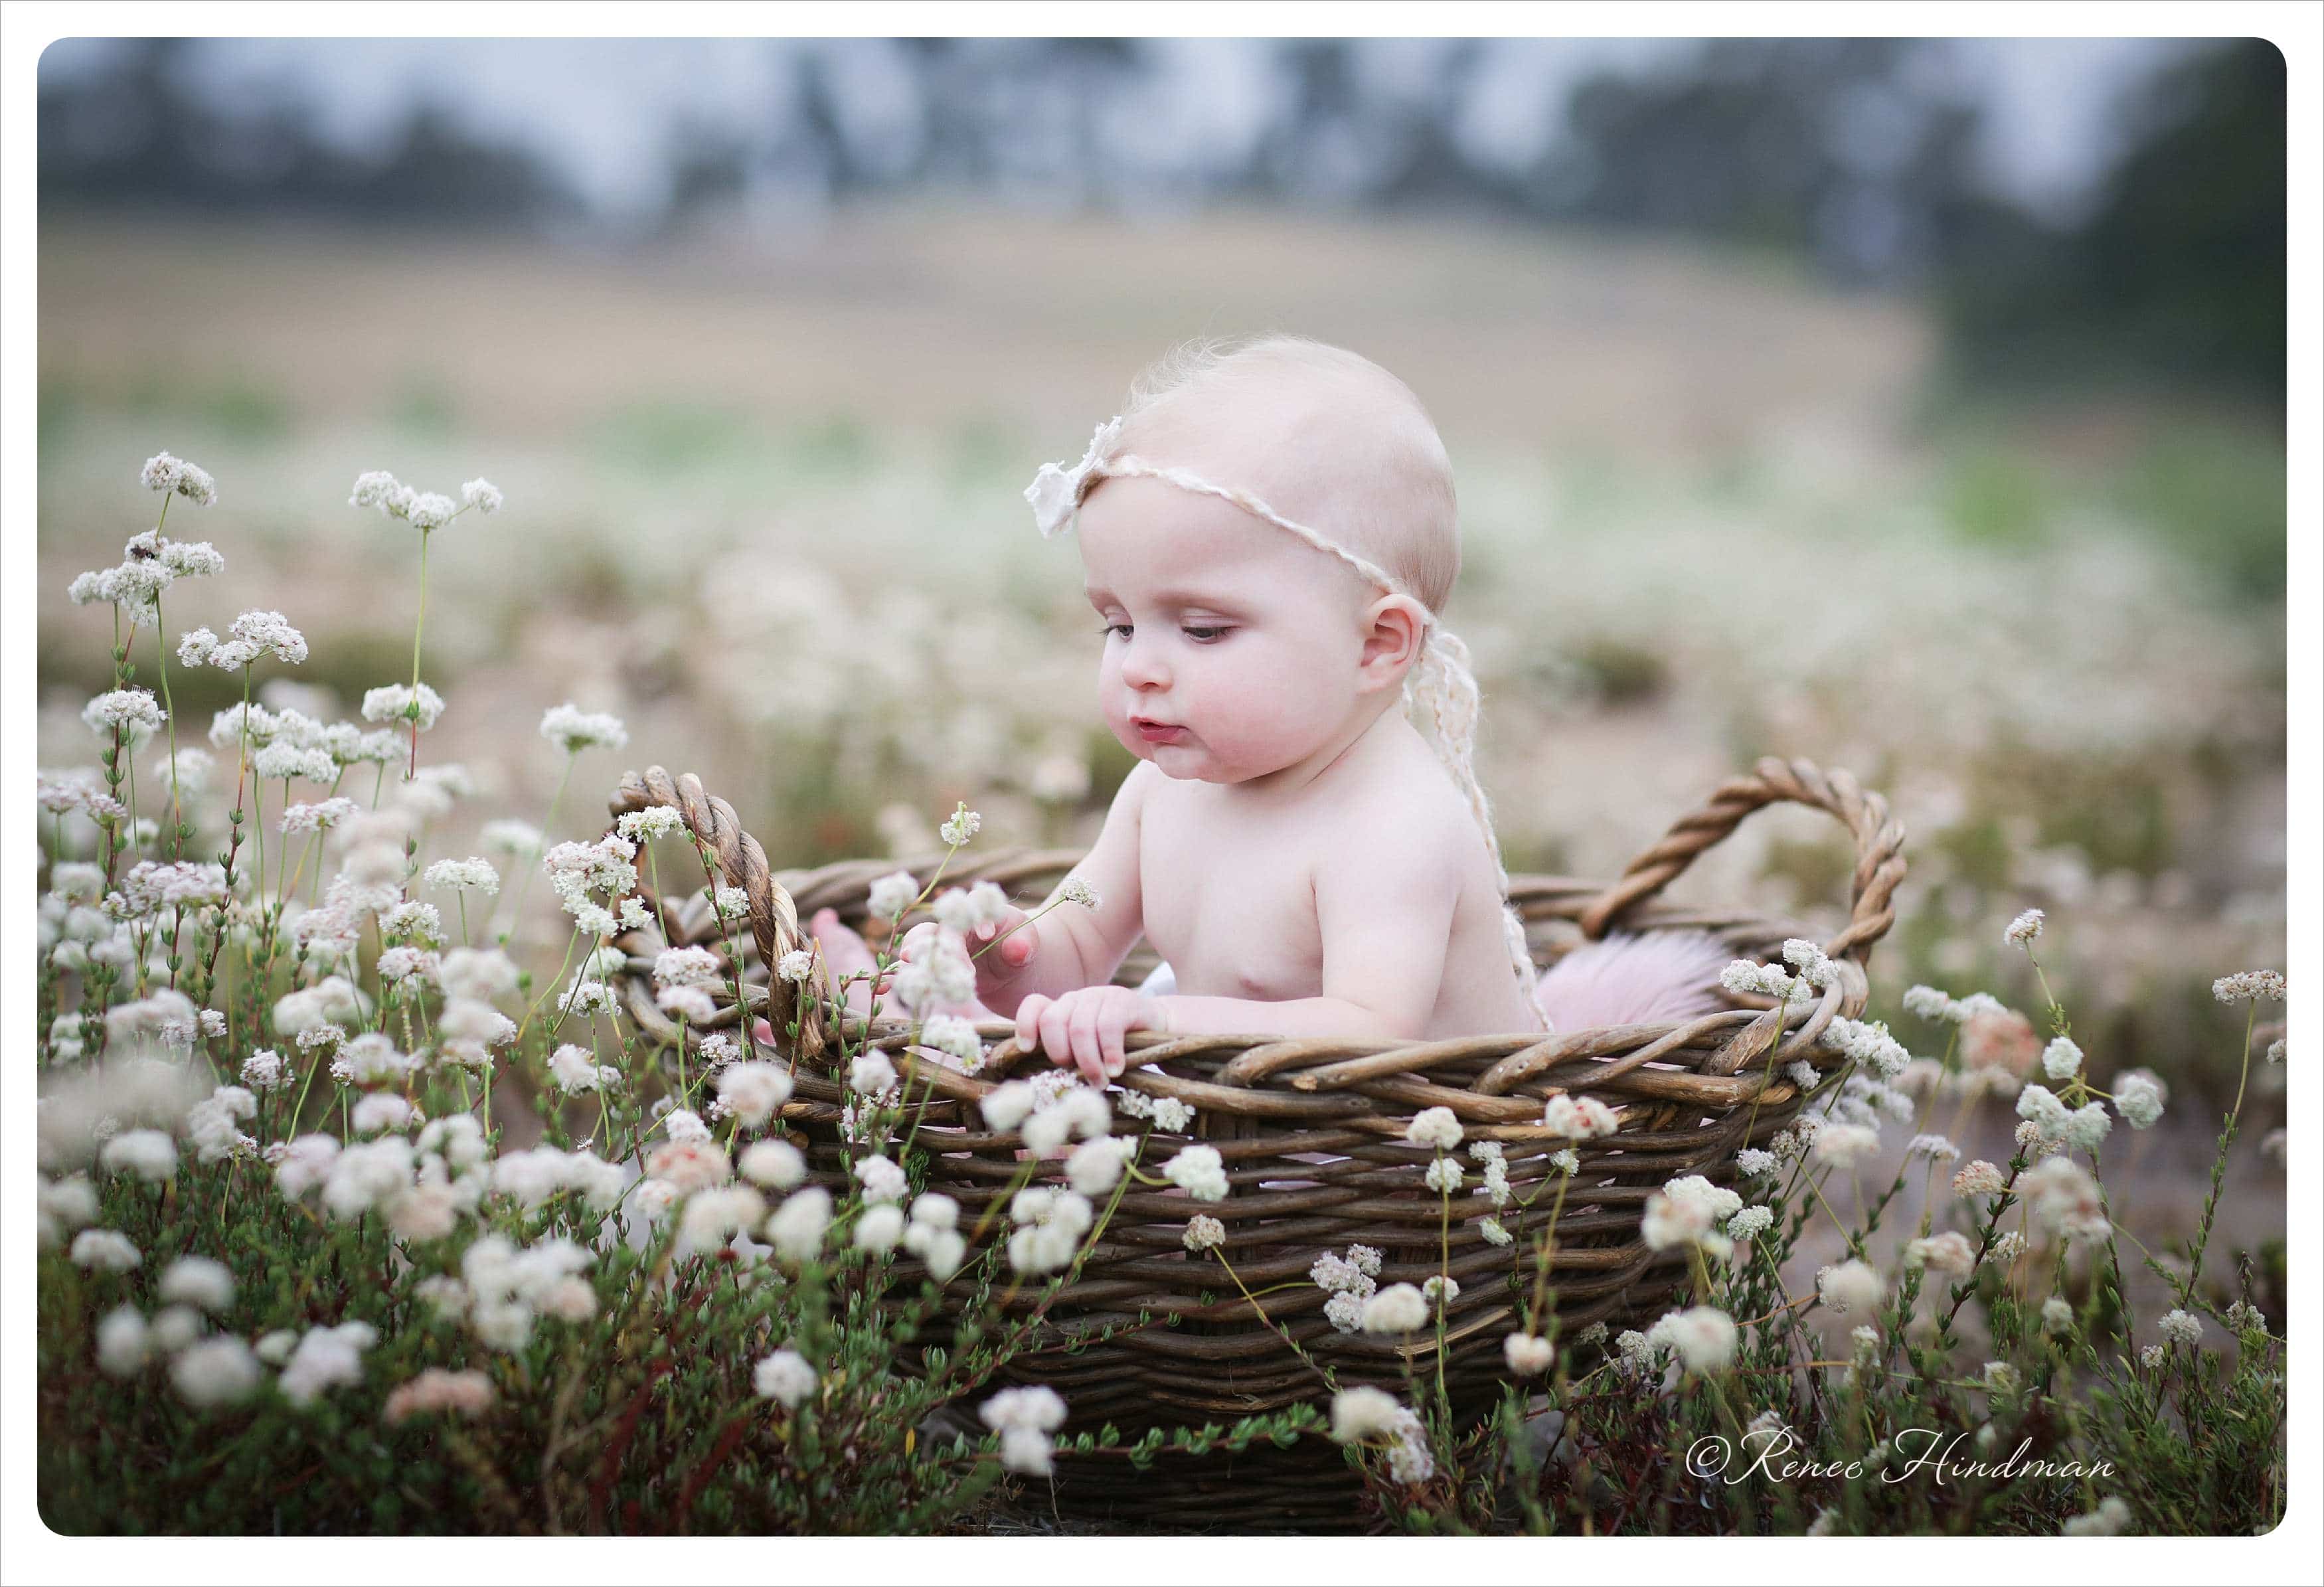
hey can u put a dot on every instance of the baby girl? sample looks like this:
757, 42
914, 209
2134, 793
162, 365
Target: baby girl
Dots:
1267, 536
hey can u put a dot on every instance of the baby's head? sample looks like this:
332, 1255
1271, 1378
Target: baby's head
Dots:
1259, 648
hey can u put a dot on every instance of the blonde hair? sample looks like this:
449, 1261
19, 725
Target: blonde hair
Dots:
1383, 488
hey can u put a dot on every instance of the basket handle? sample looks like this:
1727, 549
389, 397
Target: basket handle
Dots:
774, 918
1879, 844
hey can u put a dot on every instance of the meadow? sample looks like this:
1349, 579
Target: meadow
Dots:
763, 508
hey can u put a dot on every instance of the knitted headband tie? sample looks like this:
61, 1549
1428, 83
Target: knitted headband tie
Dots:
1440, 690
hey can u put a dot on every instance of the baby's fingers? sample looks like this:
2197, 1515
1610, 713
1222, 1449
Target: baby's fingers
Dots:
1028, 1020
1086, 1027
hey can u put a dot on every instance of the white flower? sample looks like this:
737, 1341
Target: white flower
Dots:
1935, 1147
149, 1154
797, 965
797, 1227
784, 1378
1808, 959
1749, 1223
469, 875
1074, 889
774, 1163
1434, 1127
880, 1177
1850, 1286
871, 1075
892, 895
576, 1070
753, 1090
1442, 1288
216, 1371
1365, 1413
1702, 1337
2250, 986
2057, 1316
960, 826
402, 703
1026, 1418
1400, 1308
1444, 1175
482, 494
1006, 1106
574, 730
1528, 1354
123, 1345
1204, 1232
2021, 932
1096, 1166
326, 1358
378, 1110
2001, 1378
879, 1227
1490, 1228
1056, 494
2061, 1059
2111, 1516
1949, 1253
1842, 1145
2181, 1327
1049, 1227
1579, 1118
133, 710
2138, 1097
105, 1250
1687, 1210
1199, 1171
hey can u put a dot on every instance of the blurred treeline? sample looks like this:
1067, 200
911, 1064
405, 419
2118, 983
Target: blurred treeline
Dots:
1850, 155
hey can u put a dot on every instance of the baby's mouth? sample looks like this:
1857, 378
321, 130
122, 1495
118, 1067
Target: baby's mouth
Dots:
1157, 732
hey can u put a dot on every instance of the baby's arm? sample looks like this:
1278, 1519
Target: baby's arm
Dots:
1074, 947
1384, 909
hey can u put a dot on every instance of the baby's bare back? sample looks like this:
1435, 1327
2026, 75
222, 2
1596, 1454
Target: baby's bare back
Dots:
1240, 890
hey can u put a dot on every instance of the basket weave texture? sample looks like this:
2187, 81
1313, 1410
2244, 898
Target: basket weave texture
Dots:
1312, 1129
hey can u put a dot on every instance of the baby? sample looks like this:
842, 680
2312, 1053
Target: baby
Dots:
1267, 536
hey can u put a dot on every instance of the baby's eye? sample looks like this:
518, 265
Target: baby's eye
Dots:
1107, 632
1204, 636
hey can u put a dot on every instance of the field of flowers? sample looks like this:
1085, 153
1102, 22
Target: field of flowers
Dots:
367, 1203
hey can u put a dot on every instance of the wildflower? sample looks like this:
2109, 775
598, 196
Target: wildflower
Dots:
1579, 1118
1686, 1212
1400, 1308
105, 1250
881, 1180
943, 974
1006, 1106
2138, 1097
378, 1110
1199, 1172
518, 839
2057, 1316
2276, 1051
1074, 889
871, 1075
462, 1394
215, 1372
2243, 1317
124, 1344
1749, 1223
2001, 1378
576, 1070
1935, 1147
1808, 959
2009, 1248
784, 1378
753, 1090
402, 701
955, 1037
320, 816
1096, 1166
775, 1163
2021, 932
2087, 1126
1204, 1232
133, 711
1702, 1337
1529, 1355
960, 826
1850, 1286
1441, 1288
1756, 1164
2061, 1059
149, 1154
482, 494
574, 730
1842, 1145
1979, 1178
2064, 1198
880, 1226
1050, 1224
1444, 1175
1493, 1232
1949, 1252
933, 1234
469, 875
892, 895
797, 1227
690, 1003
326, 1358
1363, 1413
1025, 1418
2250, 986
2181, 1327
2109, 1519
1434, 1127
796, 966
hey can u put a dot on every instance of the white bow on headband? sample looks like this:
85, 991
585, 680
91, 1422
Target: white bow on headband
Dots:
1056, 493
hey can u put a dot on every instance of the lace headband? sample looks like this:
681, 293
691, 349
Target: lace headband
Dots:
1440, 689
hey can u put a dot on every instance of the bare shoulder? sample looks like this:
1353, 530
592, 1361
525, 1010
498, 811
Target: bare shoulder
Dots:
1407, 805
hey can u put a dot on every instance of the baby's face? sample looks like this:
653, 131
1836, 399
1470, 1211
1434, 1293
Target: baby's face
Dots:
1231, 648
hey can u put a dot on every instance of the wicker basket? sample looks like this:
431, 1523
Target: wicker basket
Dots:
1161, 1337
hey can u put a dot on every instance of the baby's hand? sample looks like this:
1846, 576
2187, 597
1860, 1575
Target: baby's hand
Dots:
1000, 952
1085, 1028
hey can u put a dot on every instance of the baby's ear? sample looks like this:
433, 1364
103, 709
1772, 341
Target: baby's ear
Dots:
1396, 628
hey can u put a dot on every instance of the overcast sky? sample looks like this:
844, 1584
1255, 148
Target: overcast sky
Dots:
603, 110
